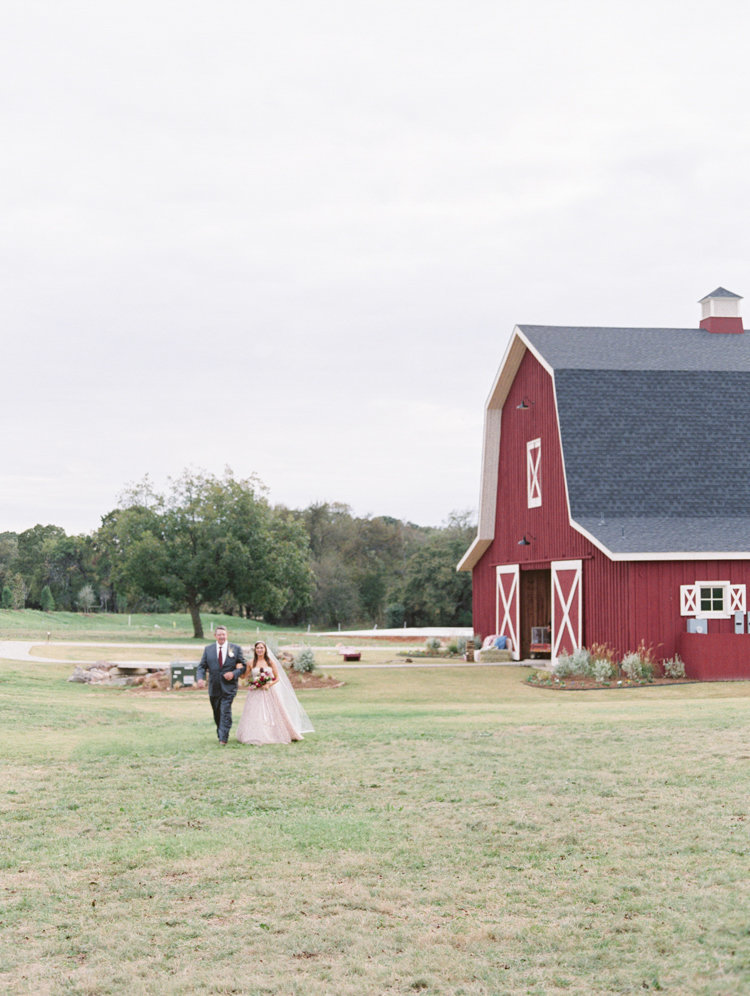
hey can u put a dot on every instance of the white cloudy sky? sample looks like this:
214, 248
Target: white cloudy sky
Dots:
293, 236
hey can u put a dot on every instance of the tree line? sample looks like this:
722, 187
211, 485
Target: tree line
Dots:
215, 543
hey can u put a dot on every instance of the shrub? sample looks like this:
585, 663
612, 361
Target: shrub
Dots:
637, 667
577, 663
18, 592
46, 599
432, 644
603, 651
457, 646
581, 660
563, 667
395, 614
596, 663
85, 599
7, 598
647, 654
304, 661
601, 669
674, 667
630, 666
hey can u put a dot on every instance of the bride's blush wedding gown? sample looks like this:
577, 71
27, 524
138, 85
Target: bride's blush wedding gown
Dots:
266, 719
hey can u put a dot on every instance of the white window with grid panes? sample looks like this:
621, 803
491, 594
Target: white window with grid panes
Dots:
712, 599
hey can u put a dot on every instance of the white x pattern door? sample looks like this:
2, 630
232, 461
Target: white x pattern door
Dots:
567, 607
507, 607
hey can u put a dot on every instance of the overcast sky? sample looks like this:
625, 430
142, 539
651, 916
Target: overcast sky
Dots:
292, 237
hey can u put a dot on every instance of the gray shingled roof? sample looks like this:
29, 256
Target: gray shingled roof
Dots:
655, 428
720, 292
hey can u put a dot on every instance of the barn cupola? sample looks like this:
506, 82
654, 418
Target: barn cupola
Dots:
720, 311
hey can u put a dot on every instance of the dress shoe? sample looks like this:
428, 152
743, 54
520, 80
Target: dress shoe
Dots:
222, 743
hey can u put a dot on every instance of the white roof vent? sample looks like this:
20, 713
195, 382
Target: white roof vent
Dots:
720, 311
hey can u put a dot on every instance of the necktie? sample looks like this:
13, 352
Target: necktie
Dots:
220, 658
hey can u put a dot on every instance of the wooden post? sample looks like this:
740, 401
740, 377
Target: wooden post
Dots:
469, 651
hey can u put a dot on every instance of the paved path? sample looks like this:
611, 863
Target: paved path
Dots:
20, 650
411, 632
429, 663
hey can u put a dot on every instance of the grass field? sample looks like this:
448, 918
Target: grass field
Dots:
443, 831
136, 628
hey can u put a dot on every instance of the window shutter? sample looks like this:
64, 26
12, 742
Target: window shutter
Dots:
533, 473
737, 598
688, 599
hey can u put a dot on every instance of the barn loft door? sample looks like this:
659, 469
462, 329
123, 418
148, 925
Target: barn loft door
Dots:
567, 607
507, 607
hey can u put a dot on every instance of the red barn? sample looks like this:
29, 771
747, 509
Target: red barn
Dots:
615, 495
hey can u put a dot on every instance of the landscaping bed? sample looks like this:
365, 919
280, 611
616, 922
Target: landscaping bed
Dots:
601, 667
546, 679
311, 679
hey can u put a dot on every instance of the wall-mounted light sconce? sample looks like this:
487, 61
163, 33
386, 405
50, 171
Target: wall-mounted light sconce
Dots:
525, 403
524, 541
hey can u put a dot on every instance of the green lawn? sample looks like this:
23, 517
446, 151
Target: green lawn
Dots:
444, 831
173, 627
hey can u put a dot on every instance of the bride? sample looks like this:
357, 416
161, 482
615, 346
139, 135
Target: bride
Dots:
272, 713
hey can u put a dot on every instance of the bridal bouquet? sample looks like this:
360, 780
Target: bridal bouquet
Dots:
261, 678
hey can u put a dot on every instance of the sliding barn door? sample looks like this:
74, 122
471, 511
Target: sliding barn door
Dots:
507, 607
567, 607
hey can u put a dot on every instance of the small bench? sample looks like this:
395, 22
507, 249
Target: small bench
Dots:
141, 666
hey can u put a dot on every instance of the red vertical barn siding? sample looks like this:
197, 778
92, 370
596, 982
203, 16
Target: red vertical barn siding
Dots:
655, 606
606, 602
655, 588
716, 657
629, 602
483, 599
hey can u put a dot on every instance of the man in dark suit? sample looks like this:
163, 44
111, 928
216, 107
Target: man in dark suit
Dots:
225, 663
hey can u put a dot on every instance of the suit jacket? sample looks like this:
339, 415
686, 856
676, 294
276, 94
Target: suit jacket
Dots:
232, 660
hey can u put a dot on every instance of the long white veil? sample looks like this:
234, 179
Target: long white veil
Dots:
289, 699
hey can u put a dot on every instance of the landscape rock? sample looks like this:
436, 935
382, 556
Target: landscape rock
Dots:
107, 673
155, 681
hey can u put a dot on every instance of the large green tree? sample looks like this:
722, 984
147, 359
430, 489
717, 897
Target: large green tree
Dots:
121, 563
69, 567
34, 558
47, 557
434, 593
333, 535
285, 589
8, 554
205, 540
358, 563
